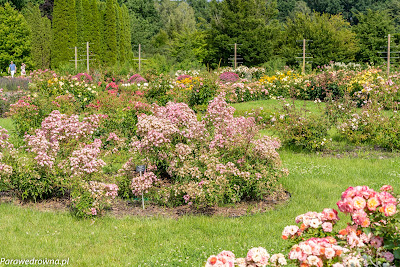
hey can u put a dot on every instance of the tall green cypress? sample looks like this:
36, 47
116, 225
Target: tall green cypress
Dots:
87, 22
72, 24
60, 52
96, 30
64, 31
127, 37
102, 15
110, 34
40, 36
79, 21
118, 18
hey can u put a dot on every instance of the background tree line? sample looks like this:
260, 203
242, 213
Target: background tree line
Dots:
194, 33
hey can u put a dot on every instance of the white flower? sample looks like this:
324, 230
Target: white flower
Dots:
313, 260
315, 223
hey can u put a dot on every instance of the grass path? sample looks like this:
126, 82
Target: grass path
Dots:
315, 183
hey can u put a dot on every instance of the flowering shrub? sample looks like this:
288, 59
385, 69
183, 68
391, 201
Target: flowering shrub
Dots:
372, 126
26, 115
184, 77
5, 147
137, 78
202, 91
86, 77
83, 93
228, 77
317, 251
299, 129
91, 199
312, 224
283, 84
246, 72
54, 154
244, 91
158, 88
8, 98
212, 161
370, 239
255, 257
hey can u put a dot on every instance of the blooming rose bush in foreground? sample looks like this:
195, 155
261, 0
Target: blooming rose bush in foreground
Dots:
370, 239
215, 160
90, 199
62, 150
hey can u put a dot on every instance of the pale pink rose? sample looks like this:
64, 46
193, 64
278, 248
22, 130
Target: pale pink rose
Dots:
306, 249
330, 253
329, 215
373, 203
313, 260
241, 262
359, 203
389, 209
327, 227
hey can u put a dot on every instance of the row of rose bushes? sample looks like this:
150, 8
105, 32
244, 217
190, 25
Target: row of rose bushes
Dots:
370, 239
341, 119
72, 95
215, 160
239, 85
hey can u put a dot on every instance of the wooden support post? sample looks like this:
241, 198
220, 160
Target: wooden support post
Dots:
235, 56
388, 57
303, 69
87, 56
140, 61
76, 58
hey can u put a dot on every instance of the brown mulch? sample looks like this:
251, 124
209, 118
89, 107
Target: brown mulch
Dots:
122, 208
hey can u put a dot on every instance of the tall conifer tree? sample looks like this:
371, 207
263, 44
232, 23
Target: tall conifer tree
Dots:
80, 21
40, 36
110, 34
72, 24
60, 51
118, 18
87, 20
126, 40
95, 30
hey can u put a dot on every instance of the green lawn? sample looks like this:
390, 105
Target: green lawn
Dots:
274, 105
7, 123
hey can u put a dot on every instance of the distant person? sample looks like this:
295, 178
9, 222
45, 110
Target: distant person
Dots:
23, 72
11, 69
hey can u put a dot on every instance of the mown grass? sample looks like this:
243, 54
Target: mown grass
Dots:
7, 123
274, 105
314, 182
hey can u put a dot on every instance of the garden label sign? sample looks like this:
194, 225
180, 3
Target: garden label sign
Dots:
140, 169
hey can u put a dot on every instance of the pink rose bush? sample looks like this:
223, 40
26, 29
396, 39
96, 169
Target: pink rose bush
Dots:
317, 242
217, 159
137, 79
228, 77
316, 251
59, 152
256, 257
364, 204
312, 223
92, 198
